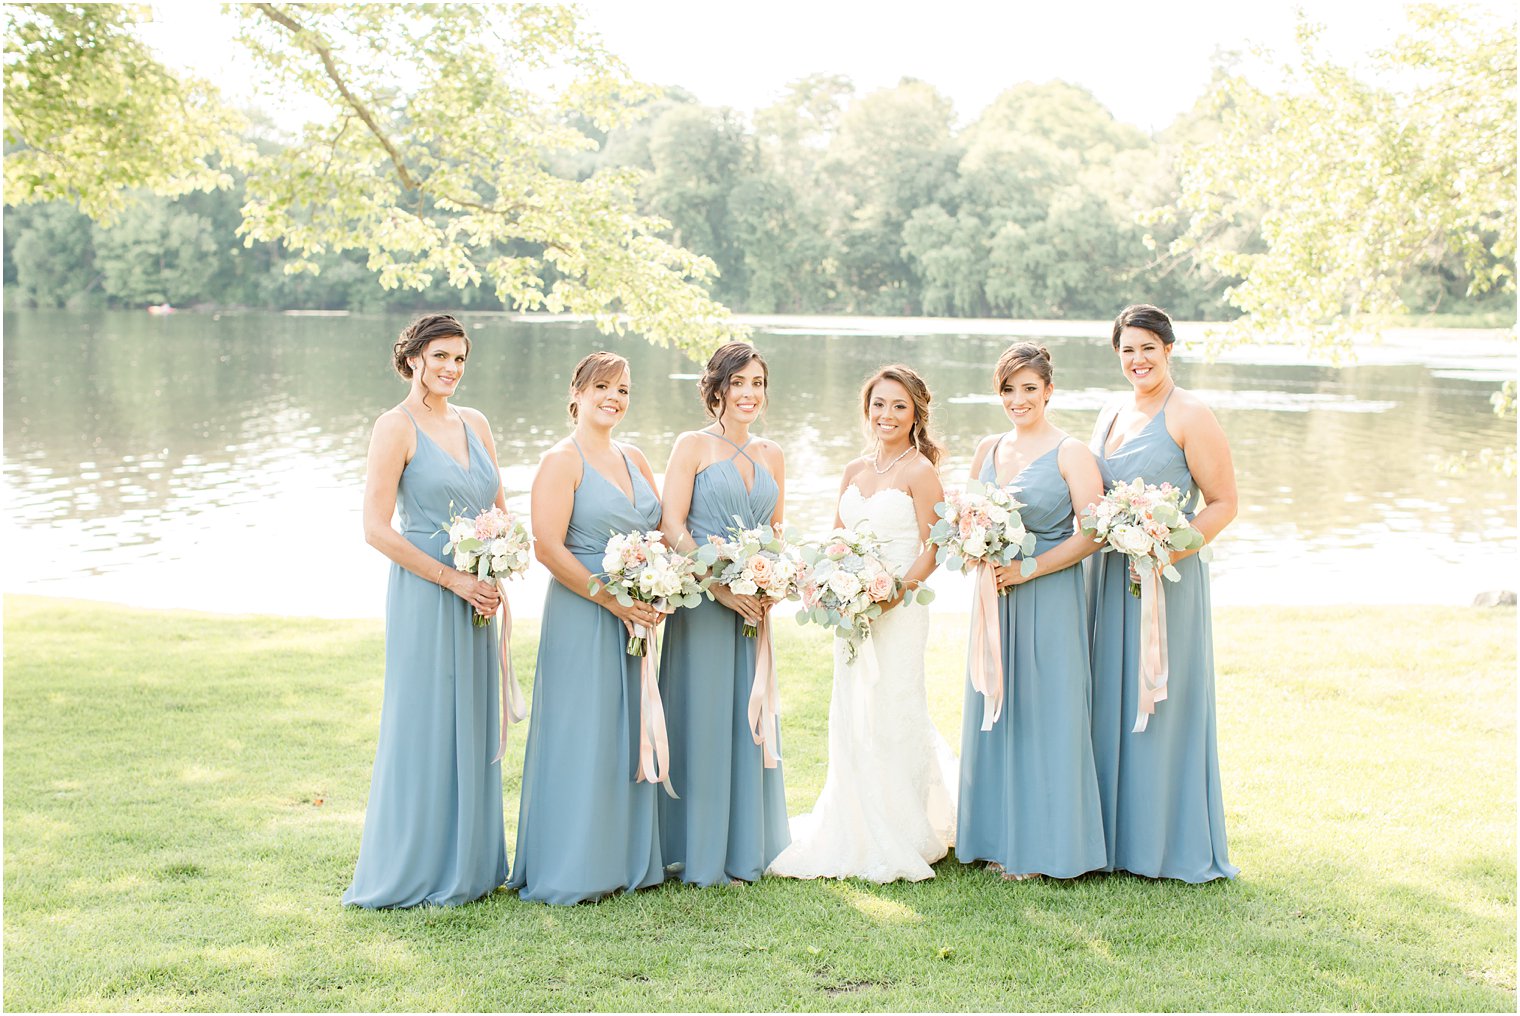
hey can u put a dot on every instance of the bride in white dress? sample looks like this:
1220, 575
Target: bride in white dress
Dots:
887, 810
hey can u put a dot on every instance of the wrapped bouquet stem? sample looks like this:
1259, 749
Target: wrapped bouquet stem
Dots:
639, 566
1146, 524
979, 528
494, 546
758, 562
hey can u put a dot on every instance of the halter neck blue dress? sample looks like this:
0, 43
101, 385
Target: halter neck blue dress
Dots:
730, 820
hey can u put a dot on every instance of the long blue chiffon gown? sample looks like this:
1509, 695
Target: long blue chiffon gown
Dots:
730, 820
585, 828
433, 830
1028, 790
1163, 811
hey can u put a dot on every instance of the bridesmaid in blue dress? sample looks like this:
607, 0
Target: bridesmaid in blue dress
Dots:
433, 830
585, 828
1028, 789
1163, 810
730, 820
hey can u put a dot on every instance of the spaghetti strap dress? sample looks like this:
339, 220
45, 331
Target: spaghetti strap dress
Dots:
1028, 789
433, 829
1163, 808
585, 829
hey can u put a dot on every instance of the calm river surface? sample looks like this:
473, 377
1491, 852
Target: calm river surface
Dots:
218, 462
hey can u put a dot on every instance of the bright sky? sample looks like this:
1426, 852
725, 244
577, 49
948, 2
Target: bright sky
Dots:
1147, 62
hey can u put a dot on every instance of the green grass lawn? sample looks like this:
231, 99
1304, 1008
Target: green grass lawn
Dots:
184, 796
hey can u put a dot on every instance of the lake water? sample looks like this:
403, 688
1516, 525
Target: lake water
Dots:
217, 462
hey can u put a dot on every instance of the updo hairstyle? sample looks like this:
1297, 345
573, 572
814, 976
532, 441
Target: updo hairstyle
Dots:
416, 336
918, 393
593, 367
1143, 315
723, 365
1019, 356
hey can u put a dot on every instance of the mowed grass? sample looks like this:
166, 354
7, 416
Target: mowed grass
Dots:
184, 797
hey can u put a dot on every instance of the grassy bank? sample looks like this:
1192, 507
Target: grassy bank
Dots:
184, 796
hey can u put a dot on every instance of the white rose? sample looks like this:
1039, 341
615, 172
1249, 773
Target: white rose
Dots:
997, 513
744, 587
463, 561
844, 584
1130, 540
975, 545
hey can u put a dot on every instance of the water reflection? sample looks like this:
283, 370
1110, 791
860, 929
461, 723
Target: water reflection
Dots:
218, 461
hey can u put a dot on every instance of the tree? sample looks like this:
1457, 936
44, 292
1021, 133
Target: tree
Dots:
99, 116
698, 154
893, 153
156, 253
53, 256
1357, 186
434, 159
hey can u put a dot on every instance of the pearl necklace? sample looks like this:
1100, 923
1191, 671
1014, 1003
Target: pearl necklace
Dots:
883, 472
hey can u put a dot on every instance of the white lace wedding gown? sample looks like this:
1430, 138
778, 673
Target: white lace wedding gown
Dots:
887, 810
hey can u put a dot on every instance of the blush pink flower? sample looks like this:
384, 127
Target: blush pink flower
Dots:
759, 568
879, 587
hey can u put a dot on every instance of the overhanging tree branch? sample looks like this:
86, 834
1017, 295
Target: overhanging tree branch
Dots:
323, 51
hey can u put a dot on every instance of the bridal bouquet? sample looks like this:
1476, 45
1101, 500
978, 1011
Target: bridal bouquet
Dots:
980, 525
1145, 523
848, 585
979, 528
755, 562
760, 562
638, 566
493, 546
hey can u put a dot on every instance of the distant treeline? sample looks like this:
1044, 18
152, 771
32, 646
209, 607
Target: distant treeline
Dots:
1043, 207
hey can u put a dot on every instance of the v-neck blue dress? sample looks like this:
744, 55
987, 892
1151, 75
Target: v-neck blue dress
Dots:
433, 830
730, 820
1163, 809
585, 828
1029, 792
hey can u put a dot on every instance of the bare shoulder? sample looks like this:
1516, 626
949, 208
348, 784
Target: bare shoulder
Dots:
393, 428
921, 473
474, 417
769, 450
634, 455
852, 471
560, 460
1189, 410
986, 444
690, 445
1072, 452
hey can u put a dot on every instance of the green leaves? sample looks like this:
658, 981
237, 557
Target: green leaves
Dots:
94, 115
1355, 185
442, 173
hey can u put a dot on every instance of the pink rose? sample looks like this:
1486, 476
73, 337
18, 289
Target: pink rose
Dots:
810, 595
879, 587
759, 568
837, 551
